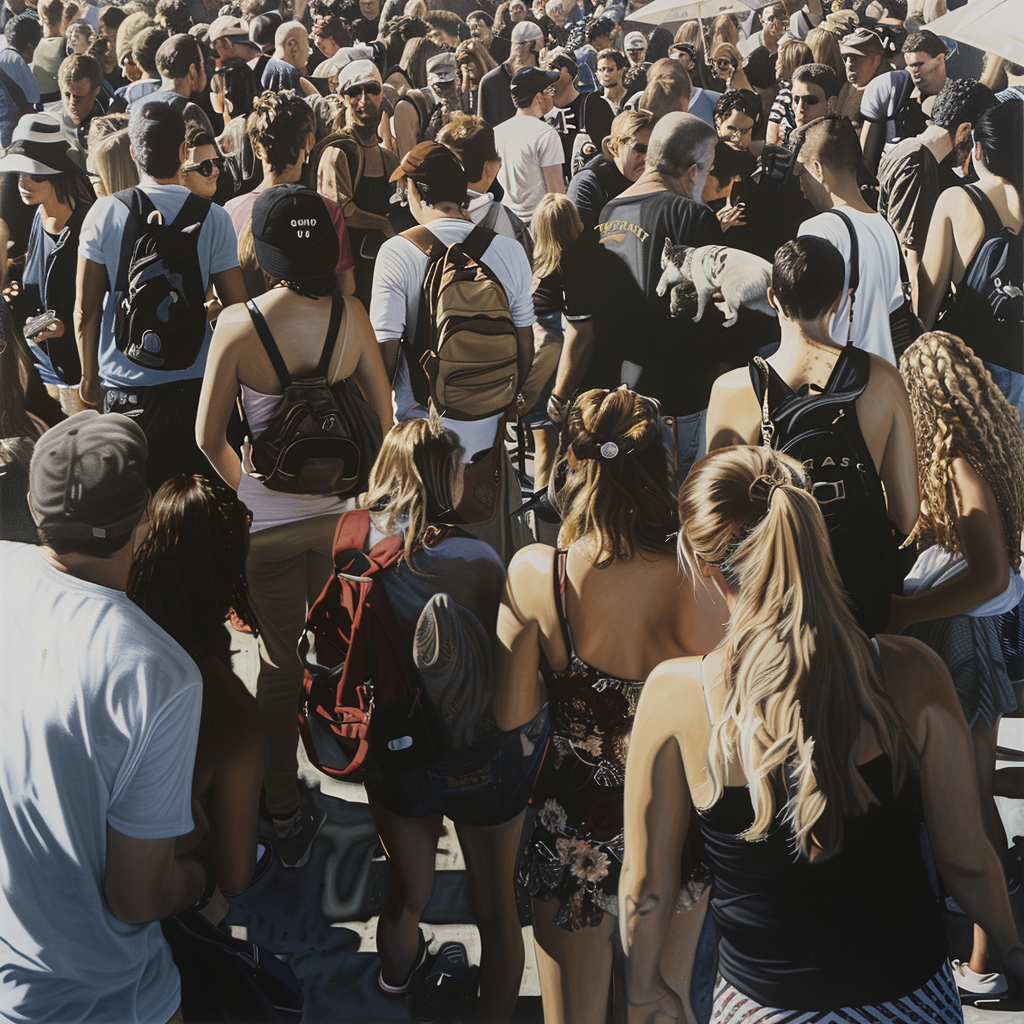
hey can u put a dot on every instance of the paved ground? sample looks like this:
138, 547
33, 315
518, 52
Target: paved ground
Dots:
322, 919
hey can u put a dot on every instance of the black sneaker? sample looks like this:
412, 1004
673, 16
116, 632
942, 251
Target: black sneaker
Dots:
295, 850
442, 987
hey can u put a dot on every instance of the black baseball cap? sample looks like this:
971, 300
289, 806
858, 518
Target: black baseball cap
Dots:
437, 171
293, 234
527, 82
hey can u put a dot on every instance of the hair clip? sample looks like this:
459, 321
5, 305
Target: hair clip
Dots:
609, 450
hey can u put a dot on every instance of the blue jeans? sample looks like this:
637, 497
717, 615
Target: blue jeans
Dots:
685, 439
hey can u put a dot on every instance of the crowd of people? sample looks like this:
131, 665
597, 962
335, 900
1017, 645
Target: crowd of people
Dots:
716, 689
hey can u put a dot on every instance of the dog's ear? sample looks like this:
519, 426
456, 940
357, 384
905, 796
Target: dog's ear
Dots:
666, 253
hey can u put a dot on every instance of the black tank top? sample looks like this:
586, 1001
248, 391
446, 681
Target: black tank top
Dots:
860, 928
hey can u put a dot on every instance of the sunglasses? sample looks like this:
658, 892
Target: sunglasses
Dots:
206, 167
40, 178
640, 148
370, 88
809, 101
723, 62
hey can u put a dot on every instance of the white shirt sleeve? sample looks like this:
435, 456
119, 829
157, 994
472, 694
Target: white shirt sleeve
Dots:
549, 149
515, 274
397, 274
152, 798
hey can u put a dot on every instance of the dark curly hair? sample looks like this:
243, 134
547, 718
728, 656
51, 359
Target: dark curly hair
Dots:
279, 125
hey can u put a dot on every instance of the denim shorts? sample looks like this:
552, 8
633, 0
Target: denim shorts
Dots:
489, 785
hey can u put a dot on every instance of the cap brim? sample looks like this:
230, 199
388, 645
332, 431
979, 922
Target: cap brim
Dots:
440, 79
288, 265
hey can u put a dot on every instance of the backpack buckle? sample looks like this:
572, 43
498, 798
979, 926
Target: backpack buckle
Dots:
835, 488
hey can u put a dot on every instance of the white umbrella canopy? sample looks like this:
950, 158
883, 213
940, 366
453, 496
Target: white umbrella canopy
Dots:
994, 25
667, 11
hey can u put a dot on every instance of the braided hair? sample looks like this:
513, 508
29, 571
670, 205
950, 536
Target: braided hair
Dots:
959, 412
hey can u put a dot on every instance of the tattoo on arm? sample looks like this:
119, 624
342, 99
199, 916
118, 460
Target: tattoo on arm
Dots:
642, 909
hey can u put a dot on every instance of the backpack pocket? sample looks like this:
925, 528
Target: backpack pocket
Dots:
475, 392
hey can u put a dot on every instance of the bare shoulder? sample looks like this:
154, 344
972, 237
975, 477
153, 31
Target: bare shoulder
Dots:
733, 381
884, 375
916, 678
671, 693
531, 573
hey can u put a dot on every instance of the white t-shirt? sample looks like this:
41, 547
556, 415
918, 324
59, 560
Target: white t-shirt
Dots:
101, 242
879, 292
398, 286
101, 716
526, 145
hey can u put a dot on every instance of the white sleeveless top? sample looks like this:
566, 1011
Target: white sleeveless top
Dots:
275, 508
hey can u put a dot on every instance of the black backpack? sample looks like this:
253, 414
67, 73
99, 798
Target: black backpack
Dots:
822, 432
323, 438
988, 308
160, 317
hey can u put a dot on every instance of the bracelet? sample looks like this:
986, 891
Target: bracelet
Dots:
209, 886
556, 398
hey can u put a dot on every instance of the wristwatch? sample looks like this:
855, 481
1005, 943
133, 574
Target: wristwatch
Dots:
209, 886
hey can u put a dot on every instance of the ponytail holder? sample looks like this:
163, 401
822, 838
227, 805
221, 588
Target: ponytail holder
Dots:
609, 450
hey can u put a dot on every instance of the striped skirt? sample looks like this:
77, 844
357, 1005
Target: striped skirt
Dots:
935, 1002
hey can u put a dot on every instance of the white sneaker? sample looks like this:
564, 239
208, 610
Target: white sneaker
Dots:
972, 984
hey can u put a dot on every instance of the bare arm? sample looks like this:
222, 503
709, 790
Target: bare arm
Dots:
217, 398
936, 269
554, 180
407, 126
980, 530
230, 286
657, 810
524, 353
966, 860
370, 373
898, 469
91, 287
872, 141
518, 688
144, 881
573, 363
773, 134
334, 181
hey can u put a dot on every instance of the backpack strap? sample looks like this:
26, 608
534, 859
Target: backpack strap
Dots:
760, 378
140, 208
337, 308
193, 211
982, 203
854, 267
269, 345
477, 243
426, 241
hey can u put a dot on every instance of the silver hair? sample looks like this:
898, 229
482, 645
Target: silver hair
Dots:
678, 142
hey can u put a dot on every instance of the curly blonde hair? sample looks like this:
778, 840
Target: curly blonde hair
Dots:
959, 412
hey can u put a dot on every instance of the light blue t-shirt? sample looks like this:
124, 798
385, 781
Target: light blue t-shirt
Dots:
12, 64
135, 91
101, 243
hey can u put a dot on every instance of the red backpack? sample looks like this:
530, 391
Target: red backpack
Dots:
361, 690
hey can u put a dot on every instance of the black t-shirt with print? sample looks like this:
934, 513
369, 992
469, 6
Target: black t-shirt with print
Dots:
637, 341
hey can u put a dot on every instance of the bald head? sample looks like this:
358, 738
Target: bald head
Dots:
681, 149
291, 42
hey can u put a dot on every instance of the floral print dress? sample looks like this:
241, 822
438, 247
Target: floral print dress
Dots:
575, 852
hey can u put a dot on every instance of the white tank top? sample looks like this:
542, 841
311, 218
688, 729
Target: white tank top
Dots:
275, 508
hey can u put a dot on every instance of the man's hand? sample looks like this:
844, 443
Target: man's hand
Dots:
55, 330
89, 392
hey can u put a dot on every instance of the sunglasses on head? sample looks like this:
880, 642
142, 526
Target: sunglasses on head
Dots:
206, 167
370, 88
